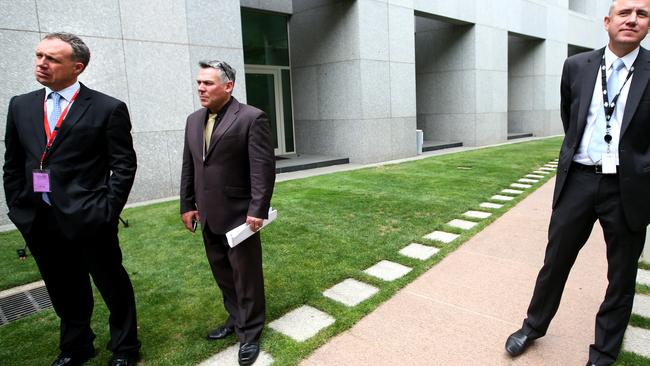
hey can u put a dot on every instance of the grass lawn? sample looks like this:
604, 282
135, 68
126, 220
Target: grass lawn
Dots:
329, 228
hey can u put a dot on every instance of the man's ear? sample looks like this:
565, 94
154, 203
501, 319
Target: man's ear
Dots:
79, 67
230, 85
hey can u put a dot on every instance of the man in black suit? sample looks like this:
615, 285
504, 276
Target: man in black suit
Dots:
227, 179
69, 167
603, 174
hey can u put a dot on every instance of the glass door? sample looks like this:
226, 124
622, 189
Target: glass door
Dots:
264, 90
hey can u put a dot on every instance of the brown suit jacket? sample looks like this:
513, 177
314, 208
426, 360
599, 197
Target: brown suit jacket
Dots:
235, 178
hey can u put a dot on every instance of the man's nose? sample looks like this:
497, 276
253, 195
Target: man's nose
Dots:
632, 18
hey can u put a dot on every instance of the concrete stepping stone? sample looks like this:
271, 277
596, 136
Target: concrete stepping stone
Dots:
490, 205
477, 214
547, 168
387, 270
541, 172
302, 323
419, 251
527, 180
229, 357
350, 292
641, 305
499, 197
637, 340
441, 236
511, 191
643, 277
535, 176
554, 166
462, 224
520, 185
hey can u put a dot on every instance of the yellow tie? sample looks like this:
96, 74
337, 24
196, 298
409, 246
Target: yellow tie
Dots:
208, 129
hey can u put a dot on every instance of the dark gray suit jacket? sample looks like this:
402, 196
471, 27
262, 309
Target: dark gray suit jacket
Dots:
577, 87
236, 178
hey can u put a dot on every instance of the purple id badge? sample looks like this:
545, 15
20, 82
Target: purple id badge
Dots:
41, 179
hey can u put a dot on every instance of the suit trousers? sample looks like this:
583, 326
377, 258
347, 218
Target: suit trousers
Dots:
588, 197
238, 273
66, 267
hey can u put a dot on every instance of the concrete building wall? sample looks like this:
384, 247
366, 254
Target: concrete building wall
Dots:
524, 56
353, 67
445, 80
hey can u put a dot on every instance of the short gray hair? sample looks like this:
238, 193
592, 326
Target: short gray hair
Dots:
80, 52
226, 72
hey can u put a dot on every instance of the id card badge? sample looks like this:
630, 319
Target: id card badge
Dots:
41, 180
609, 163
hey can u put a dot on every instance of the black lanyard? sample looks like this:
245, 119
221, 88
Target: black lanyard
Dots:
610, 107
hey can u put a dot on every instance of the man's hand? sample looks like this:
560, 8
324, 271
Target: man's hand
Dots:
254, 223
188, 217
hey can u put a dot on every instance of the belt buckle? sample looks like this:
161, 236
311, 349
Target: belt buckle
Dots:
598, 169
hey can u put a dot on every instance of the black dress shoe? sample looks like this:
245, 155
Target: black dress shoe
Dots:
74, 359
517, 343
248, 353
220, 333
124, 359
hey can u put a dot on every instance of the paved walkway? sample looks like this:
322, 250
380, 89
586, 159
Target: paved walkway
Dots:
462, 310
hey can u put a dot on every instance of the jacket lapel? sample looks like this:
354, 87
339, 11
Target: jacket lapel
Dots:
197, 130
587, 83
36, 119
224, 125
638, 85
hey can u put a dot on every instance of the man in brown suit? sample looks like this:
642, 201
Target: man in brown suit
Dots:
227, 179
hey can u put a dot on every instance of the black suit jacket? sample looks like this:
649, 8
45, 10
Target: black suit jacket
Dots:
236, 177
577, 87
92, 163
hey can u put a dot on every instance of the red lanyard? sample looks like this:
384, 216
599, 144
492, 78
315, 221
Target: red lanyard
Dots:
52, 135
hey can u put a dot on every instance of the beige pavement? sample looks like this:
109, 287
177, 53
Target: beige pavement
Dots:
461, 311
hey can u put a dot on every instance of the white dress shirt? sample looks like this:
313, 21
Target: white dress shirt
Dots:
596, 109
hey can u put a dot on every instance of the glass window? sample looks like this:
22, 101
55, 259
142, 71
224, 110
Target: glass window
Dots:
266, 41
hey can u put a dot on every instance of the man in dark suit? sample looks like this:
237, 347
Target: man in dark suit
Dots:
603, 174
227, 179
69, 167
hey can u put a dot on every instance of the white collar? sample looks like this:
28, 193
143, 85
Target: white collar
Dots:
66, 93
628, 59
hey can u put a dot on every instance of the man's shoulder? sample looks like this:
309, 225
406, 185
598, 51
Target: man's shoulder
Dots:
29, 96
98, 96
583, 57
197, 113
247, 109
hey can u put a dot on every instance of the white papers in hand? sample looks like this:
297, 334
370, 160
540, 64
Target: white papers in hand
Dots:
243, 231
